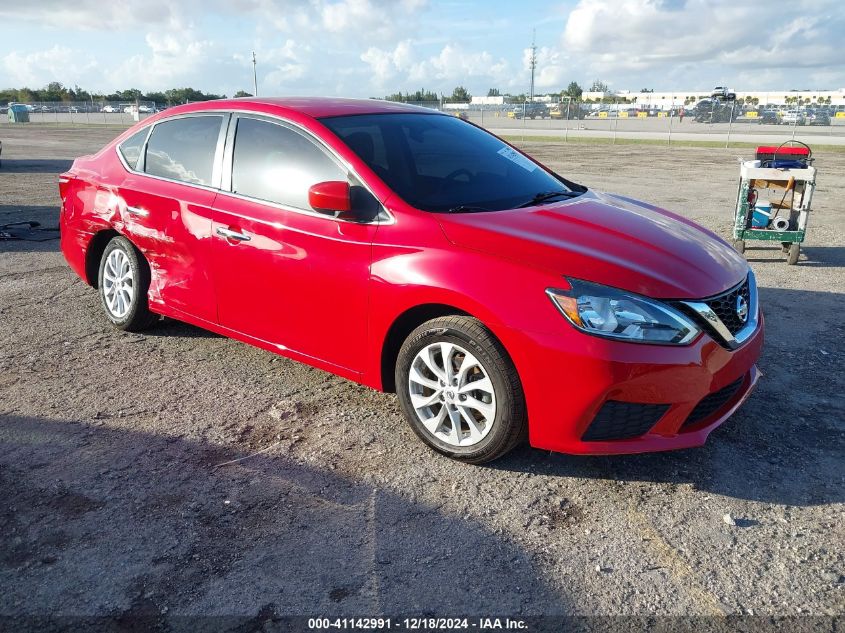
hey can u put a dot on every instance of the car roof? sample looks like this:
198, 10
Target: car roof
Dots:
315, 107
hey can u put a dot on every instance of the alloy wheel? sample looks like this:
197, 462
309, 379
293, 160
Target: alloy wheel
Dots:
452, 394
118, 283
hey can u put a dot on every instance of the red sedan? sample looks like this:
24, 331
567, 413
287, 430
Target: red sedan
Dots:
414, 252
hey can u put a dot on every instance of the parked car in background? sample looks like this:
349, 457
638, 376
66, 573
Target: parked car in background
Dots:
413, 252
530, 111
724, 93
818, 117
717, 112
110, 109
769, 117
145, 109
792, 117
461, 114
570, 111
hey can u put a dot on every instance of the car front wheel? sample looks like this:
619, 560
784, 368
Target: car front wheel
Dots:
460, 391
123, 281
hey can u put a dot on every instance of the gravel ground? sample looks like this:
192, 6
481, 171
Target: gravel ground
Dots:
120, 493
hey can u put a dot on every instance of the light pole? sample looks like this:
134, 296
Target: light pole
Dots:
254, 77
533, 62
566, 133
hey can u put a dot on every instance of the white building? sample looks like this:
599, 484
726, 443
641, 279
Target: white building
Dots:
488, 101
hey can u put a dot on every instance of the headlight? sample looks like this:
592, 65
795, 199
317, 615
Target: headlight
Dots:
622, 315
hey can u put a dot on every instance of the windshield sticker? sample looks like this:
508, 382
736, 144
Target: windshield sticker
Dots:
515, 157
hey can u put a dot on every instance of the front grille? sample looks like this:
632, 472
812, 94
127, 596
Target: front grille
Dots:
724, 305
712, 403
623, 420
724, 308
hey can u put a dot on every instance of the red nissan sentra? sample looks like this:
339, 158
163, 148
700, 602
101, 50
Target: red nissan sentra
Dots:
415, 252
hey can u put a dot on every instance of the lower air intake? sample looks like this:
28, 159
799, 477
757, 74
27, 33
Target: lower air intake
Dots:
712, 403
623, 420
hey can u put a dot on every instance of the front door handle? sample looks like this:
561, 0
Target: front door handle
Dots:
229, 234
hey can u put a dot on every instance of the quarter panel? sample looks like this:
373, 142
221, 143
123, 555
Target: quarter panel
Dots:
171, 224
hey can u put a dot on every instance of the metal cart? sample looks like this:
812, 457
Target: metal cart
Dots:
789, 184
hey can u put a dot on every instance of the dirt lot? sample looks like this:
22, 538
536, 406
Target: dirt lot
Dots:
116, 497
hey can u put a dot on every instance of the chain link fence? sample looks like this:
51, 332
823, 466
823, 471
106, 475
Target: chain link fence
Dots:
715, 122
114, 112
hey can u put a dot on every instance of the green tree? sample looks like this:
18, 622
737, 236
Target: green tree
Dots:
25, 95
460, 94
241, 93
573, 90
131, 94
599, 86
79, 94
53, 91
419, 96
184, 95
157, 97
493, 92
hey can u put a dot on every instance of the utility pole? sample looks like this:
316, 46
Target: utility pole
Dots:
533, 63
254, 77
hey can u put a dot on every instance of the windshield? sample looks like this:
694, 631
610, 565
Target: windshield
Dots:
440, 163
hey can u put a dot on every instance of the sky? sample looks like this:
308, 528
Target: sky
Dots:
370, 48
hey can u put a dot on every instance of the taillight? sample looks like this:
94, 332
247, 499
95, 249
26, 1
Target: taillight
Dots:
64, 181
66, 192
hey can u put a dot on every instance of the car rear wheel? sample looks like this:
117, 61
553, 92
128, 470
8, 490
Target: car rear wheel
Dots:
123, 280
460, 391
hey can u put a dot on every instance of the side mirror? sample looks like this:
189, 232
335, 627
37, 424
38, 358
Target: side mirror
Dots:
333, 196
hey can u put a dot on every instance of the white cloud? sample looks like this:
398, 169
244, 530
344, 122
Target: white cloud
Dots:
173, 57
91, 15
58, 63
386, 65
692, 42
552, 68
364, 16
288, 64
403, 67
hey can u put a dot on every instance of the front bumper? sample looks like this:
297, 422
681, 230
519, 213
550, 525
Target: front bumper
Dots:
568, 377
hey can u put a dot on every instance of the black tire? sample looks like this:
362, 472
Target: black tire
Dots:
138, 317
739, 245
794, 252
509, 427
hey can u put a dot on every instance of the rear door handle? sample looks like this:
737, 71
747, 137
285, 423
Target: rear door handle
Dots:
138, 211
229, 234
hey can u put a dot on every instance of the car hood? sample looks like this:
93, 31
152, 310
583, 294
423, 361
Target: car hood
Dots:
610, 240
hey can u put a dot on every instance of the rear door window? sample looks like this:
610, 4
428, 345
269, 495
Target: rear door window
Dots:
275, 163
130, 149
184, 149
